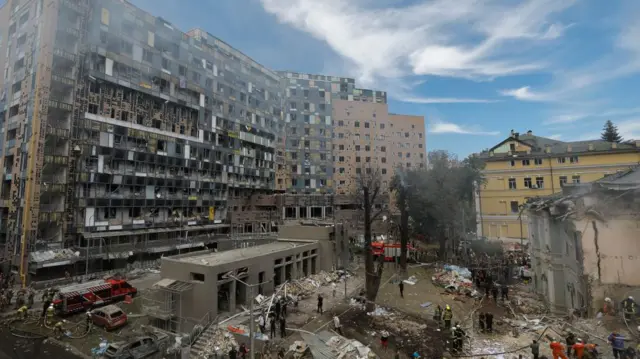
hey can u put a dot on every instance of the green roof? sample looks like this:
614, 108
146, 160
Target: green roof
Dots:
539, 145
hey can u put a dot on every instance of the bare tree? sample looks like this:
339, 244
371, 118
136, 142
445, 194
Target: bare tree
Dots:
401, 190
370, 192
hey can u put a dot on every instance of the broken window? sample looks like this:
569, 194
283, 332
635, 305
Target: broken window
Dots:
525, 162
540, 182
575, 179
512, 163
573, 159
561, 160
321, 93
563, 180
292, 105
512, 183
538, 161
527, 182
384, 171
356, 124
514, 207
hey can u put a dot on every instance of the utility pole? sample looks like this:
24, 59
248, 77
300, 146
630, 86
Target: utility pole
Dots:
251, 319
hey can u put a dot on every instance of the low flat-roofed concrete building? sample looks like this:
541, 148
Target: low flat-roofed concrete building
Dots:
204, 284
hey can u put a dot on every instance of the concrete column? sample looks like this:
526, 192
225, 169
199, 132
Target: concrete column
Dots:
232, 296
294, 269
282, 274
284, 212
297, 212
309, 212
324, 210
309, 269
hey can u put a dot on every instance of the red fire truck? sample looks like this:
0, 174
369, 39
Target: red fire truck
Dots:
391, 251
84, 296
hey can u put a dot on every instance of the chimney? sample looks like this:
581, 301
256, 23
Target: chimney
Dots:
547, 149
569, 148
529, 133
614, 145
516, 135
512, 133
591, 147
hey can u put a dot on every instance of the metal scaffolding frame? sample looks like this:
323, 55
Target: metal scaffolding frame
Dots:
163, 303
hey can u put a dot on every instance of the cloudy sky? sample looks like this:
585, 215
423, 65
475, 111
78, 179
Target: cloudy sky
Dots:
474, 68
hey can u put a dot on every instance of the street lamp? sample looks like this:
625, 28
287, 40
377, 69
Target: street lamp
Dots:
251, 320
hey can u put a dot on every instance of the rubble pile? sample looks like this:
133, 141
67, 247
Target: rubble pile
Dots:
454, 278
349, 349
527, 304
213, 340
395, 323
304, 287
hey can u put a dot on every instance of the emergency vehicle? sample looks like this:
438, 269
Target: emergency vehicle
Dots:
84, 296
391, 251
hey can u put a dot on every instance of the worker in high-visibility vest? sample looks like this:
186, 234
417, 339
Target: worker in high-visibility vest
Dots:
23, 312
50, 312
58, 329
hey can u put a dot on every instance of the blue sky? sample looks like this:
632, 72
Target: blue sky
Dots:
474, 69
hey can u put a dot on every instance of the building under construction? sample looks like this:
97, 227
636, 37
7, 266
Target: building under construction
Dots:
125, 138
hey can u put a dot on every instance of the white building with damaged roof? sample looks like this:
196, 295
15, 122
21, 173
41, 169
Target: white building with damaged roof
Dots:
585, 243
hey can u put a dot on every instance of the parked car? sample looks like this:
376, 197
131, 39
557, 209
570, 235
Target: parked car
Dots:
109, 317
140, 348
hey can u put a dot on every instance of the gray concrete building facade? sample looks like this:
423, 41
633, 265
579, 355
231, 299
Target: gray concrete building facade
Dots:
221, 276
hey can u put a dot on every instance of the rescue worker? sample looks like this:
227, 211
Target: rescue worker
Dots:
571, 340
20, 298
89, 320
504, 291
489, 321
578, 349
535, 349
458, 338
557, 349
481, 321
437, 314
50, 312
30, 297
629, 307
337, 325
591, 351
58, 329
608, 307
23, 312
617, 344
630, 353
494, 293
447, 316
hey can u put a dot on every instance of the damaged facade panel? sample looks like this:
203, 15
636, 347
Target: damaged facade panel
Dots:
584, 242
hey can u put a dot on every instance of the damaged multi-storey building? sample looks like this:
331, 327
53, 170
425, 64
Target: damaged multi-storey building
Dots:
125, 135
584, 242
125, 138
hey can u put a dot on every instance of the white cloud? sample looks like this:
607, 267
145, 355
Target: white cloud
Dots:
556, 136
464, 39
439, 127
623, 59
629, 129
428, 100
608, 114
525, 94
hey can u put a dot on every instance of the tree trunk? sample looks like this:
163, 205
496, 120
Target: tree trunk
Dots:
404, 236
373, 273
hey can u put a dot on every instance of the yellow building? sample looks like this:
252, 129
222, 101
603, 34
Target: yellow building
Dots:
525, 166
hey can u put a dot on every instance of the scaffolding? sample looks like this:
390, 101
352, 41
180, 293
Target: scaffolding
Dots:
163, 304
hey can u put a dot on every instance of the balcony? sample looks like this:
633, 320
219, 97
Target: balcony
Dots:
58, 132
48, 217
56, 160
63, 79
53, 179
64, 54
46, 187
60, 105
